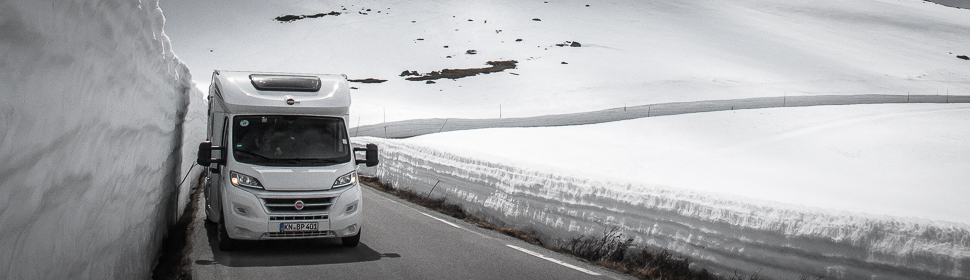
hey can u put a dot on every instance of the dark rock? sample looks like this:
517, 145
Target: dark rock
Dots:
575, 44
963, 57
536, 19
471, 52
333, 13
289, 18
429, 82
564, 62
518, 40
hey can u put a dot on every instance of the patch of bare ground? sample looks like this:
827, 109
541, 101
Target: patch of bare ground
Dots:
367, 81
573, 44
173, 260
292, 18
611, 250
496, 66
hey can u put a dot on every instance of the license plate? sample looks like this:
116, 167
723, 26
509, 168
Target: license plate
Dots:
298, 227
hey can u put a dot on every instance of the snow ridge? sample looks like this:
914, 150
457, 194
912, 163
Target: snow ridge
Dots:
720, 233
91, 129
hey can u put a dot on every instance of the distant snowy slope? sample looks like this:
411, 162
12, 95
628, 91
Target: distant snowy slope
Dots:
91, 131
632, 52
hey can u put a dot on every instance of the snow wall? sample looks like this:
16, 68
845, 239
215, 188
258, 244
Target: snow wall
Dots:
717, 233
91, 131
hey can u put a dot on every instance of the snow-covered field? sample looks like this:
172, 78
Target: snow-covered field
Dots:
90, 135
846, 192
633, 52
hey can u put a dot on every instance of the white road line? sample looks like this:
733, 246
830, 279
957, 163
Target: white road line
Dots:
456, 226
440, 220
580, 269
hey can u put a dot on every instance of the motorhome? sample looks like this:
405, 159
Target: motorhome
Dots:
280, 162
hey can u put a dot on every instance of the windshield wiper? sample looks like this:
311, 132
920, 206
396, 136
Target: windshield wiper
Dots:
251, 154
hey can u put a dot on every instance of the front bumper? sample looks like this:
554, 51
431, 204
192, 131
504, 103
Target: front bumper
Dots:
252, 214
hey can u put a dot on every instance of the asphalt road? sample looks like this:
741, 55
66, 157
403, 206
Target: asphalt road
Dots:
400, 241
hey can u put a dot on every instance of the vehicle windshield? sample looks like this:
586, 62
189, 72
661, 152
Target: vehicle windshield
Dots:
289, 140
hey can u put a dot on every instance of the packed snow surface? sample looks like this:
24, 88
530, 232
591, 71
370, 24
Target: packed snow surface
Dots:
843, 192
90, 137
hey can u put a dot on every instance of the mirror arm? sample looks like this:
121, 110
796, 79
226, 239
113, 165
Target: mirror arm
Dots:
370, 158
220, 161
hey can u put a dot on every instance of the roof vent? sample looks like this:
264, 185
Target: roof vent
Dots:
285, 82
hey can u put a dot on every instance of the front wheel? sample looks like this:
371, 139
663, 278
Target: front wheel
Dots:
225, 242
351, 241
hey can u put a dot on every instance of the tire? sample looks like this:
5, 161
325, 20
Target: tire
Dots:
205, 204
208, 217
226, 243
351, 241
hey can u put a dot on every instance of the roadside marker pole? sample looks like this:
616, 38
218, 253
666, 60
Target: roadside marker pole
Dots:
432, 188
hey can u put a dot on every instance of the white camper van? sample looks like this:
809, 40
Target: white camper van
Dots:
280, 161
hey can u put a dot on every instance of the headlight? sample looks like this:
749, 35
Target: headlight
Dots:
346, 180
239, 179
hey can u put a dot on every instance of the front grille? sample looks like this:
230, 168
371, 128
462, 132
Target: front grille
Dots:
299, 234
297, 218
288, 205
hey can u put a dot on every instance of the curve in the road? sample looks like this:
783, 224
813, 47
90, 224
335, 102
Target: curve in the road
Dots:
411, 128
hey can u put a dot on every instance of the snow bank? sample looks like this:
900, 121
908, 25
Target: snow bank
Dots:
91, 126
676, 188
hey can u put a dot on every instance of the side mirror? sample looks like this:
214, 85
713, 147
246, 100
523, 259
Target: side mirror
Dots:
205, 154
370, 158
